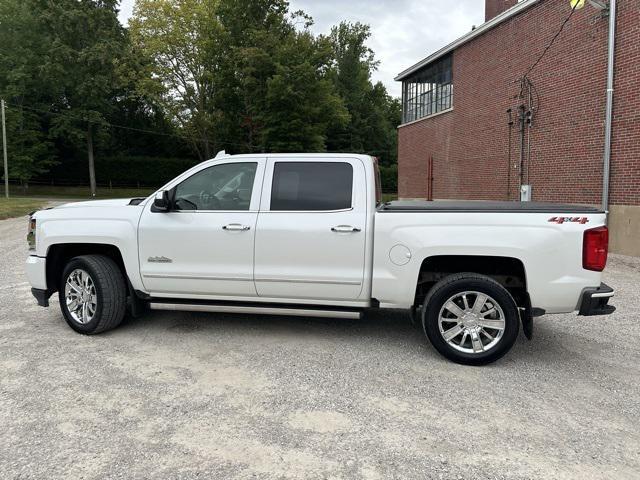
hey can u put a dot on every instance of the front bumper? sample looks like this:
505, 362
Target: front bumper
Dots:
595, 301
42, 296
37, 271
37, 275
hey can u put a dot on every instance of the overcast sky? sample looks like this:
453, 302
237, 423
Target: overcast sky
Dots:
403, 31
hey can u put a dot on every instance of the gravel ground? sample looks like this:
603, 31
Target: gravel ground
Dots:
182, 395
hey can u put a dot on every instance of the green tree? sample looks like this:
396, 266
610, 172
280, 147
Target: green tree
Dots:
67, 70
181, 40
279, 94
143, 127
30, 149
86, 44
237, 73
374, 114
246, 75
301, 103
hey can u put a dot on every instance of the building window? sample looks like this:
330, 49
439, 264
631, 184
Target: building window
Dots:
428, 91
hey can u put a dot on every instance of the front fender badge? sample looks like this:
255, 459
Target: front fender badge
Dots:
159, 260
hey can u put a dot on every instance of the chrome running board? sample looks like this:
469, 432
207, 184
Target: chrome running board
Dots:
273, 310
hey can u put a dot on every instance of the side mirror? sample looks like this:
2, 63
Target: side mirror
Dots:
161, 202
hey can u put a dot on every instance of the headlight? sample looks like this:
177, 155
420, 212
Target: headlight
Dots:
31, 234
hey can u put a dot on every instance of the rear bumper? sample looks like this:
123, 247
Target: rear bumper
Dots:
595, 301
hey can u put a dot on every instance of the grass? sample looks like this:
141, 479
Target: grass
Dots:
17, 207
48, 191
388, 197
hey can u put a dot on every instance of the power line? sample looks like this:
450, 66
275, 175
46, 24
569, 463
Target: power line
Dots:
566, 20
527, 86
105, 123
122, 127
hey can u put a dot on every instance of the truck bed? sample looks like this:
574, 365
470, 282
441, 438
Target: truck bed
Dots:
485, 207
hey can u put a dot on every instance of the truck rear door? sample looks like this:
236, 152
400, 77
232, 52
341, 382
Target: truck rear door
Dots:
310, 233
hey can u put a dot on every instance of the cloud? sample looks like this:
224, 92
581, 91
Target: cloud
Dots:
403, 31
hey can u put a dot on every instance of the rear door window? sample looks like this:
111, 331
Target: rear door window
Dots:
311, 186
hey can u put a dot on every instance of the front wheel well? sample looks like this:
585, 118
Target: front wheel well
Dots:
507, 271
59, 255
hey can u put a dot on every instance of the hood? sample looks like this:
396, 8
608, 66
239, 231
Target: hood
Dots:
116, 202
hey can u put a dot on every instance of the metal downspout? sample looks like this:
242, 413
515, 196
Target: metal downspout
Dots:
609, 111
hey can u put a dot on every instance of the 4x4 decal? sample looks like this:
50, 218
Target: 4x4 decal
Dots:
561, 220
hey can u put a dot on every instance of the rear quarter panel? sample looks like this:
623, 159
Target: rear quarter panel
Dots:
550, 252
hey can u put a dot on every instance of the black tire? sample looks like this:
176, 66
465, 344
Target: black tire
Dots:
110, 288
469, 282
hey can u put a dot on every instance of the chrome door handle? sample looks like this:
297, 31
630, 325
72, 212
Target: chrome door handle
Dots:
236, 227
344, 229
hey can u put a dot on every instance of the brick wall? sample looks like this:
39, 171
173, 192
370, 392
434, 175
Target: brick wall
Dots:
470, 144
625, 156
493, 8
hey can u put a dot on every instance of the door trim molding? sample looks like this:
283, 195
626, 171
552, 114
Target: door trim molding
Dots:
296, 280
197, 277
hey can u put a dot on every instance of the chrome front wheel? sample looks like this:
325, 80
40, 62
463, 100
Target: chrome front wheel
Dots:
92, 293
80, 296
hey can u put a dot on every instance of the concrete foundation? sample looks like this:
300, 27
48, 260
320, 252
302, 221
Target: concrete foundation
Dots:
624, 229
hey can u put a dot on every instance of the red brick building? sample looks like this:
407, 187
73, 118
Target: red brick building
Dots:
462, 107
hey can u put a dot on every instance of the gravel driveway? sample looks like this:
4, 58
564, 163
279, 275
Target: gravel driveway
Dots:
183, 395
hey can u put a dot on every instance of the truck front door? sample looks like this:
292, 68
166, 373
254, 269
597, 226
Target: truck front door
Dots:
204, 245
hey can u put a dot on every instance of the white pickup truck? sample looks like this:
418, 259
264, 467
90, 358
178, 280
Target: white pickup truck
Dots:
308, 235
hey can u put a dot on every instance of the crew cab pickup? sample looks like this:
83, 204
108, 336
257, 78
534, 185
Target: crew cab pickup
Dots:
309, 235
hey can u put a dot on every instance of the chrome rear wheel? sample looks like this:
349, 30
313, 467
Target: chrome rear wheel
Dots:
470, 318
471, 322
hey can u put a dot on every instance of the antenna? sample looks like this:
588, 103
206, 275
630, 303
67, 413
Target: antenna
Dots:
221, 154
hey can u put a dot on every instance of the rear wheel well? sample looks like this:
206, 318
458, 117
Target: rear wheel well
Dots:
60, 254
507, 271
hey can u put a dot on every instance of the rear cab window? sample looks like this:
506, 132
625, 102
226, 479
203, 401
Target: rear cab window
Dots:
311, 186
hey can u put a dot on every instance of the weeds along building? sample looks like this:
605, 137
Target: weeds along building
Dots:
507, 106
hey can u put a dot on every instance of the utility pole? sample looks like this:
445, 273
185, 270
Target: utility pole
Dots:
606, 173
4, 151
509, 166
92, 168
522, 119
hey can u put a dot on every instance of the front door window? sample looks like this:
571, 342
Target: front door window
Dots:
221, 187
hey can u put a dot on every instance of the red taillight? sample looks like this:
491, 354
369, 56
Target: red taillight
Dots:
595, 248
